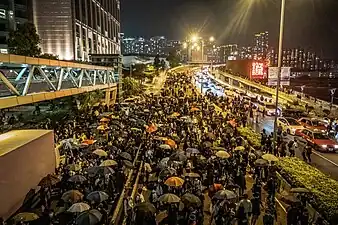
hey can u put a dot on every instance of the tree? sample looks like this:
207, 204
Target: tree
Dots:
157, 62
131, 87
173, 59
24, 40
163, 64
49, 56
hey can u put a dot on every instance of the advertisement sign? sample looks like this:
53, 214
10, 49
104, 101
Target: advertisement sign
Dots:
257, 70
273, 75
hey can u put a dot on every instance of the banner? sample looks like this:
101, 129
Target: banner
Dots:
284, 78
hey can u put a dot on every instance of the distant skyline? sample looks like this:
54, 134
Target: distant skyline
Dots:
310, 24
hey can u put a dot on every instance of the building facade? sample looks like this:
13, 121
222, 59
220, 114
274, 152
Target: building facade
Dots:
74, 29
260, 46
12, 12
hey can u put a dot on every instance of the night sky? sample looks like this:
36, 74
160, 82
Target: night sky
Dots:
311, 24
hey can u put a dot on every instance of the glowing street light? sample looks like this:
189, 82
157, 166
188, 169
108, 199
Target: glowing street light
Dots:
185, 45
198, 48
194, 38
211, 39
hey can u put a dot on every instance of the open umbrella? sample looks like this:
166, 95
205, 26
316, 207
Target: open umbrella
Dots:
25, 217
151, 128
171, 143
211, 136
223, 154
175, 114
74, 167
178, 156
165, 146
136, 129
160, 138
78, 207
163, 163
145, 207
239, 148
174, 182
190, 199
108, 162
167, 172
193, 109
102, 127
100, 153
193, 175
77, 179
49, 180
169, 198
90, 217
125, 155
192, 151
224, 194
299, 190
72, 196
261, 162
102, 170
104, 119
270, 157
207, 144
88, 141
218, 148
97, 196
128, 164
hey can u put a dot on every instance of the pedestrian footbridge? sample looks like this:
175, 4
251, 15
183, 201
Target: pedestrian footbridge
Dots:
26, 80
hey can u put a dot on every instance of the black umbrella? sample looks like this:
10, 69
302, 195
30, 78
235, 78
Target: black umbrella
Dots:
224, 194
190, 199
97, 196
128, 164
90, 217
99, 170
77, 179
125, 155
178, 156
145, 207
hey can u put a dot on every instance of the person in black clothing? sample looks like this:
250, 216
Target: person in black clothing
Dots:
308, 149
256, 209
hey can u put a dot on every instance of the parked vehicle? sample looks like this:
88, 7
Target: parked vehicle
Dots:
319, 141
289, 125
313, 123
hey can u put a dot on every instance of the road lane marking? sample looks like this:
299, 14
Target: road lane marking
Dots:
280, 204
323, 157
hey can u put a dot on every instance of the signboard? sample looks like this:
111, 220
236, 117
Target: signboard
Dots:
257, 70
273, 76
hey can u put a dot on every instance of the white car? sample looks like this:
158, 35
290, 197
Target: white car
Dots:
289, 125
270, 110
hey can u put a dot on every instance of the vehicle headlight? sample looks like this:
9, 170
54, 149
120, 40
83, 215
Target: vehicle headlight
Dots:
335, 146
324, 146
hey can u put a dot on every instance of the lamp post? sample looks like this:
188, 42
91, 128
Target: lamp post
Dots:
280, 51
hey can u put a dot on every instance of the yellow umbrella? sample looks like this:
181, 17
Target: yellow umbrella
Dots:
74, 167
115, 117
160, 138
223, 154
193, 109
171, 143
104, 119
109, 162
239, 148
100, 153
174, 182
270, 157
102, 127
25, 217
175, 114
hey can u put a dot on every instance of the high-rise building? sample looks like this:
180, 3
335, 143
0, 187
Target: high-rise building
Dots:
261, 45
12, 12
74, 29
158, 44
227, 52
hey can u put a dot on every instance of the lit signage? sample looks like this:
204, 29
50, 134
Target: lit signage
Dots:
257, 70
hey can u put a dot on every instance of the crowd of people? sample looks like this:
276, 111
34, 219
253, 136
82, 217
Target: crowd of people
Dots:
196, 165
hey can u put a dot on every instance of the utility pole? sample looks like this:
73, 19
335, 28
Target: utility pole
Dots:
332, 92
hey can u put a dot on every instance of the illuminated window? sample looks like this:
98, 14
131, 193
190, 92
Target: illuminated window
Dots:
2, 14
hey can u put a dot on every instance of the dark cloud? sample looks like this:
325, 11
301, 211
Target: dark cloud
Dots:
309, 23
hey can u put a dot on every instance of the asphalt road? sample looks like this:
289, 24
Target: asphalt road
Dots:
325, 162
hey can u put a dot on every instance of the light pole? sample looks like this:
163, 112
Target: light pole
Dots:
280, 51
332, 92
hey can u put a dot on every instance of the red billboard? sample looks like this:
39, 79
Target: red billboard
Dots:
258, 70
251, 69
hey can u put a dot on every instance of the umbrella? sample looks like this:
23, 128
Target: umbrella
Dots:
104, 119
145, 207
223, 154
109, 162
174, 181
261, 162
49, 180
89, 141
125, 155
72, 196
270, 157
193, 175
77, 179
100, 153
224, 194
192, 151
115, 117
163, 163
207, 144
103, 170
239, 148
165, 146
102, 127
169, 198
25, 217
193, 109
211, 136
151, 129
171, 143
152, 177
160, 138
178, 156
79, 207
136, 129
299, 190
175, 114
167, 172
218, 148
128, 164
97, 196
190, 199
90, 217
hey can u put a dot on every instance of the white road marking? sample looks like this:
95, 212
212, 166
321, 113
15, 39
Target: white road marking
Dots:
323, 157
280, 204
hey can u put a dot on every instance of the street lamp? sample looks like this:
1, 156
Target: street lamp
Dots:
280, 51
194, 38
211, 39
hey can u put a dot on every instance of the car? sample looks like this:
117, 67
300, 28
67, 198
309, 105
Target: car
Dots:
318, 140
270, 110
313, 123
289, 125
